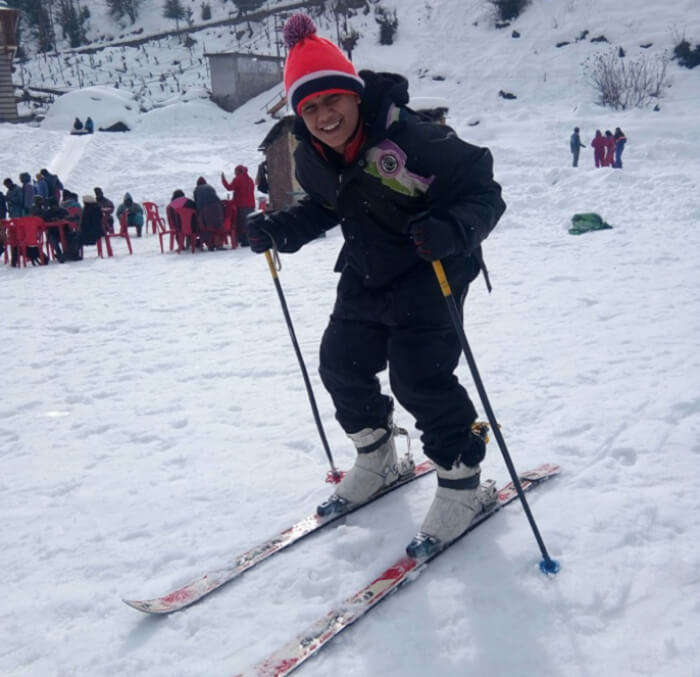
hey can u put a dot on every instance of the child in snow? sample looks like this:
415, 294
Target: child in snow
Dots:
405, 192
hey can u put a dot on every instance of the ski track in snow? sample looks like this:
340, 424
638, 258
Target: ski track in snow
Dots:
154, 423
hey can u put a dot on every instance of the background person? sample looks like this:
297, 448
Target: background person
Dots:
54, 212
91, 222
620, 141
575, 145
107, 208
27, 193
14, 198
609, 156
134, 213
210, 213
53, 182
243, 188
41, 187
598, 145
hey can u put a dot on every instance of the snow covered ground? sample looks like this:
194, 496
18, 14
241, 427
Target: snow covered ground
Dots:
153, 421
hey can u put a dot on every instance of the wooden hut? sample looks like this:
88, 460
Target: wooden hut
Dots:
8, 46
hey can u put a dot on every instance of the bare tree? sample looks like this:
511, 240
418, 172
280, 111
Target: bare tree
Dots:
623, 83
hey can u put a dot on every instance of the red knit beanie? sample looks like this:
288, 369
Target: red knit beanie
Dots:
314, 65
201, 181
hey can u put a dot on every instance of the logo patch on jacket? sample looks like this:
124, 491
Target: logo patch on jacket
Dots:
387, 162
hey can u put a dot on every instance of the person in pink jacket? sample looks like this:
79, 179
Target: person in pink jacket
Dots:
598, 145
243, 188
609, 149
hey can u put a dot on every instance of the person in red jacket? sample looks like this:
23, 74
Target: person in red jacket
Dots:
243, 188
609, 149
598, 145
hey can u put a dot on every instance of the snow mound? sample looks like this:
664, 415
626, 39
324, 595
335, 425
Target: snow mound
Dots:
105, 105
176, 116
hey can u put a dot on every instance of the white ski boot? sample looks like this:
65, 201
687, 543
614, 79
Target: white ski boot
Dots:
458, 500
376, 467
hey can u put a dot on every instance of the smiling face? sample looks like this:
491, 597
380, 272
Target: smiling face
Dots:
332, 118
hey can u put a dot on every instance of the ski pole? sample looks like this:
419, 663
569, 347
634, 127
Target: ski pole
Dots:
547, 565
333, 476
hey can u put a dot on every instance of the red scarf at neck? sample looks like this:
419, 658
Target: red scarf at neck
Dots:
352, 147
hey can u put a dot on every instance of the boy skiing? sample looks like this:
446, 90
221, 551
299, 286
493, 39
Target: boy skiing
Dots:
405, 192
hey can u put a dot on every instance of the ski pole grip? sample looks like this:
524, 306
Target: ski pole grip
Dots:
442, 278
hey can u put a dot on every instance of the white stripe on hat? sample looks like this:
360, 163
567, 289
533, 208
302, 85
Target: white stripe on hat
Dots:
320, 74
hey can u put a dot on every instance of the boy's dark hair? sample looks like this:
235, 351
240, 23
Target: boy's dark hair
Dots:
576, 129
176, 194
8, 182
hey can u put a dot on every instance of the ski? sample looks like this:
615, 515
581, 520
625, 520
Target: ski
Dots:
293, 654
213, 580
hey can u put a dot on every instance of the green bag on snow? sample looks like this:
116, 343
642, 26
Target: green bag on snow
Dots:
583, 223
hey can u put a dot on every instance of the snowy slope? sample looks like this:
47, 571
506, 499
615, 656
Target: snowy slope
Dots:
153, 421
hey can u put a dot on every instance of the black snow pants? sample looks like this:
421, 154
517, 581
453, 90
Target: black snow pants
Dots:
407, 326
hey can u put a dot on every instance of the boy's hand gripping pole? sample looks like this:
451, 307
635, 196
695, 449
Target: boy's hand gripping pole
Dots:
334, 476
547, 565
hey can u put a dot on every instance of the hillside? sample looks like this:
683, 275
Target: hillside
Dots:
481, 59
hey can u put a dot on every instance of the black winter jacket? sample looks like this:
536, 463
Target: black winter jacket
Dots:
406, 167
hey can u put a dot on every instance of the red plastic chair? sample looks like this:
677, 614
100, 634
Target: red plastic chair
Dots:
123, 232
29, 232
167, 229
107, 220
153, 217
186, 220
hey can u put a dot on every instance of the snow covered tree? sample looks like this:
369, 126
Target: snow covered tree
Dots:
174, 9
119, 8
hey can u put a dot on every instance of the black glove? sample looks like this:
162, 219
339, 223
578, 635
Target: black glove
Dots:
259, 233
436, 238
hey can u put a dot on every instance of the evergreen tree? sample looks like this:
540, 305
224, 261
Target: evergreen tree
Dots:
38, 15
72, 20
173, 9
